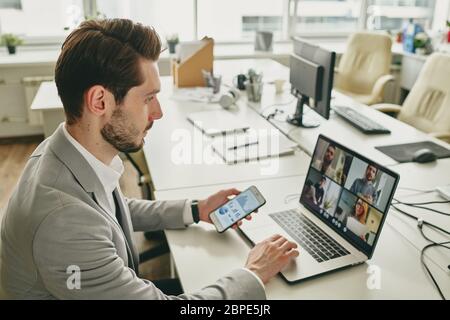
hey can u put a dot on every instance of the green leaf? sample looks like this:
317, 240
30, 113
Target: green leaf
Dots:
10, 40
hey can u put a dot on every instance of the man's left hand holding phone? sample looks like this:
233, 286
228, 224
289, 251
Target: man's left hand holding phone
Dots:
211, 204
267, 257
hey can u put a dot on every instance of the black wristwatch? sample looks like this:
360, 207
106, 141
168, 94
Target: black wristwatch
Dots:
195, 212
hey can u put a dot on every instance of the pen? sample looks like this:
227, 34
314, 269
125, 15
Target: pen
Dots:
243, 145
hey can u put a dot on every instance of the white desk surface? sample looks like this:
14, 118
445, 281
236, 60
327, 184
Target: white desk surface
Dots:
202, 166
398, 249
47, 97
338, 129
423, 177
160, 145
402, 276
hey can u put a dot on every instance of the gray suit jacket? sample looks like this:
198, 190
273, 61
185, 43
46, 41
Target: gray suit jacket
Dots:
54, 226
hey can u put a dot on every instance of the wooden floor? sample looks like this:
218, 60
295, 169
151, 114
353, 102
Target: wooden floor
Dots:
13, 158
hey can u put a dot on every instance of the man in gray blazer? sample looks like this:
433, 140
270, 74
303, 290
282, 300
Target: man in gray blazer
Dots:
67, 229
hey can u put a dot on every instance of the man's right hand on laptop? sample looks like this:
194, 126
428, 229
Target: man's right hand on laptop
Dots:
269, 256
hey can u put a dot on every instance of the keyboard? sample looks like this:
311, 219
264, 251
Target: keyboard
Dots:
312, 239
360, 121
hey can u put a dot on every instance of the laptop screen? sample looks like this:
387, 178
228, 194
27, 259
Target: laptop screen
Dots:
349, 193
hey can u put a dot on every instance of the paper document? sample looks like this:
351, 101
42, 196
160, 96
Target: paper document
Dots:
234, 148
196, 94
217, 122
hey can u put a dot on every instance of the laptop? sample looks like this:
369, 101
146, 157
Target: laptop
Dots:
340, 215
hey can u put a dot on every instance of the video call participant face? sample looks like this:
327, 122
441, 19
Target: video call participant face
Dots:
322, 181
329, 154
360, 209
371, 173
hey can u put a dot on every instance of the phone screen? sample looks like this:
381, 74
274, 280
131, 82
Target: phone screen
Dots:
236, 209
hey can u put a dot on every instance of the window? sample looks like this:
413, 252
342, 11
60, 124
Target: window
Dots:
225, 21
10, 4
392, 14
237, 20
40, 18
166, 16
327, 17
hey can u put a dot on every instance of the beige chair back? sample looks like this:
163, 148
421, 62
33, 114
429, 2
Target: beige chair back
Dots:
366, 59
2, 293
139, 159
427, 107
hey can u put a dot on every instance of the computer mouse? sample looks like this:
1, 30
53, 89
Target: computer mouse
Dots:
424, 156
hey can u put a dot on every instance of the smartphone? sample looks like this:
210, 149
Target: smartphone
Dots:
237, 208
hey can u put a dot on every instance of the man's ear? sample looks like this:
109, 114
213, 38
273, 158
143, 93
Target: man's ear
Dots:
95, 99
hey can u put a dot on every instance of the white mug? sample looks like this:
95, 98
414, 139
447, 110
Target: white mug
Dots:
279, 83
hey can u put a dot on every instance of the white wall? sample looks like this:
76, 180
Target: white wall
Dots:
167, 17
441, 14
37, 18
223, 19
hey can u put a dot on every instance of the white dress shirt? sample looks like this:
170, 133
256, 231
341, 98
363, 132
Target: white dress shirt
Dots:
109, 177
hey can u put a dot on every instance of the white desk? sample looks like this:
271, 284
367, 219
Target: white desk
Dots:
189, 175
423, 177
340, 130
202, 255
174, 137
48, 102
398, 249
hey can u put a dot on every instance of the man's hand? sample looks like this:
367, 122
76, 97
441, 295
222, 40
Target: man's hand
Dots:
268, 257
213, 202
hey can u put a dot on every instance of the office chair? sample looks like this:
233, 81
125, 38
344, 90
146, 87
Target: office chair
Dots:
137, 159
2, 293
427, 107
363, 70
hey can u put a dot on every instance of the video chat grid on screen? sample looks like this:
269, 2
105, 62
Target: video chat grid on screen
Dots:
350, 192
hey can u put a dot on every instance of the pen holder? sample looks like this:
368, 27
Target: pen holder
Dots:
212, 81
254, 91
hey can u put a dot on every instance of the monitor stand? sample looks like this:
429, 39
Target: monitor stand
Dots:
298, 118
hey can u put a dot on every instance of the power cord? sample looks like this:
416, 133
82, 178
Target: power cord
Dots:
420, 224
420, 205
422, 256
417, 190
277, 111
273, 114
426, 202
277, 105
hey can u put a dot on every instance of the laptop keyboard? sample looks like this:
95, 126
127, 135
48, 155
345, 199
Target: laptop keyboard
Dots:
315, 241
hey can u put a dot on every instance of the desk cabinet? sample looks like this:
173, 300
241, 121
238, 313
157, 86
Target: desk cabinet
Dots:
14, 116
411, 66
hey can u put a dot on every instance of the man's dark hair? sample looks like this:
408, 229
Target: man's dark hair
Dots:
103, 52
331, 146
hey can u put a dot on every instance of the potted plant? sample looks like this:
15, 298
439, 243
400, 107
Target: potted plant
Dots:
420, 43
11, 41
172, 41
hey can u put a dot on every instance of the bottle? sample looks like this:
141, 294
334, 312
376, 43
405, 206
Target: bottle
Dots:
408, 36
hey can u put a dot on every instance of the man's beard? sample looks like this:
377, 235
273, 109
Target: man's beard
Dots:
121, 134
325, 165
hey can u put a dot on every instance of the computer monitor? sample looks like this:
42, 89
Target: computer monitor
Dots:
311, 77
